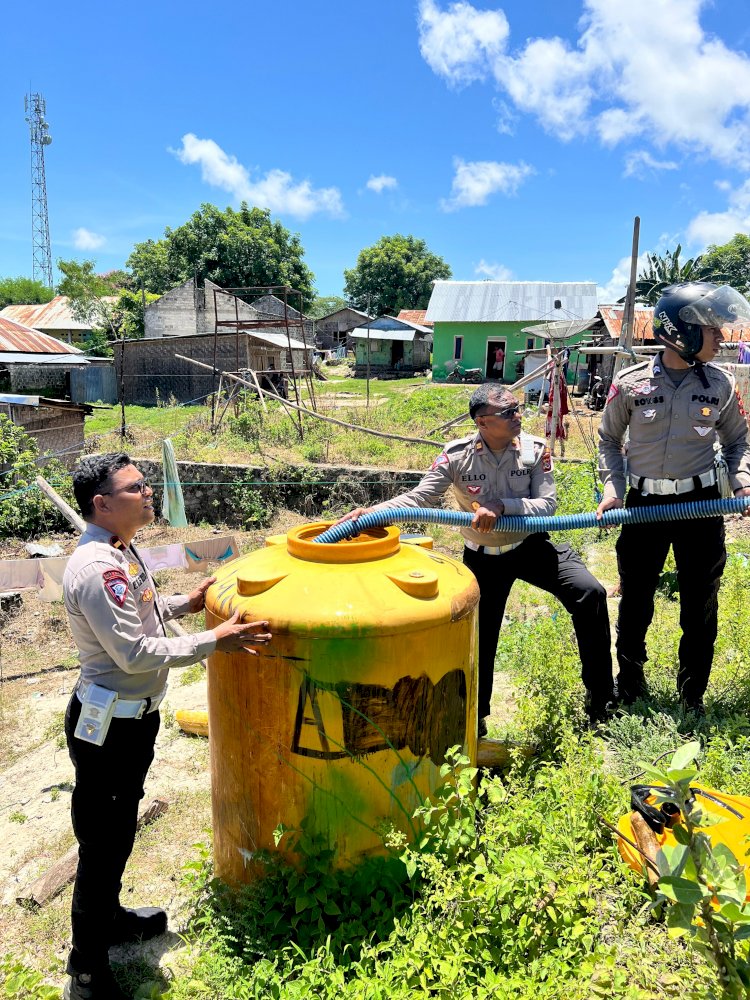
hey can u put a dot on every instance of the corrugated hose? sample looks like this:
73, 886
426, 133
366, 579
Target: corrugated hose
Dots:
527, 525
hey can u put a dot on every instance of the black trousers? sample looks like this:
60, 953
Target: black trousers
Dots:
700, 557
108, 788
559, 571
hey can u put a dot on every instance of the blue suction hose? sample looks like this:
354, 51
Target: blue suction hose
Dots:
527, 525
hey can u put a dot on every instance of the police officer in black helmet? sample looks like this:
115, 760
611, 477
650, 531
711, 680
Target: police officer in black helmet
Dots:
673, 409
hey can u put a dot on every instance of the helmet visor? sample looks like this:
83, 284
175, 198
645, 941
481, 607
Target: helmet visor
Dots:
723, 306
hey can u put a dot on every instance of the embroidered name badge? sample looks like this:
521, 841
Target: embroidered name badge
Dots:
474, 490
116, 585
147, 596
702, 430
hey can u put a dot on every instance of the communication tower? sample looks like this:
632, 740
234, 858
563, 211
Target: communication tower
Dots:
36, 109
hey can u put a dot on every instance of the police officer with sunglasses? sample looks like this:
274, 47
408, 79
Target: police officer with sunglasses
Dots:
500, 470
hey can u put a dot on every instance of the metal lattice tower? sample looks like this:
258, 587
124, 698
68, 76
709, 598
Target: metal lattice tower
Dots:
36, 108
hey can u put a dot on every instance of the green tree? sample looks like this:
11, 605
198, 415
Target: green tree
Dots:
324, 305
667, 270
231, 248
87, 292
395, 273
730, 261
23, 291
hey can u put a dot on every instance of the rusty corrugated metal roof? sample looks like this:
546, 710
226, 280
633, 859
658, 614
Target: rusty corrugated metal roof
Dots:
415, 316
20, 338
642, 321
53, 315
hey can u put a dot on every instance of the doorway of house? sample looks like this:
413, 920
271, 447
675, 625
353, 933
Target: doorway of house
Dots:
493, 346
397, 353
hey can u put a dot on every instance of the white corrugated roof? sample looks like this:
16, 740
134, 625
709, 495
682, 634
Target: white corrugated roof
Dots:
510, 301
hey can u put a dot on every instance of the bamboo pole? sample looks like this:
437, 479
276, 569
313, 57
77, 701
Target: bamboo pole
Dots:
312, 413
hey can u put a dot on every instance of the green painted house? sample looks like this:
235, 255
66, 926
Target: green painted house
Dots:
472, 319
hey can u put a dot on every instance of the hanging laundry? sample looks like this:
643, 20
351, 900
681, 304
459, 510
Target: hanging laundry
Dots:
558, 388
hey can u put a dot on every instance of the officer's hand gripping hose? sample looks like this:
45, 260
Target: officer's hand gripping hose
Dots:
521, 523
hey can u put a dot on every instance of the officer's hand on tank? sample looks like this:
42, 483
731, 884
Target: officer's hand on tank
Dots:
610, 503
485, 517
197, 597
744, 492
232, 636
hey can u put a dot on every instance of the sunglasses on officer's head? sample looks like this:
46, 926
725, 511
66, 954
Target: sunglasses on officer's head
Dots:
506, 414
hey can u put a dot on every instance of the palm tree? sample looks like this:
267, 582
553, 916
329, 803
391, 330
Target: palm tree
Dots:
667, 270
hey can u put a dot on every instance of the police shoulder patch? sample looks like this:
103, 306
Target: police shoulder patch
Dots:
547, 460
614, 390
442, 459
116, 585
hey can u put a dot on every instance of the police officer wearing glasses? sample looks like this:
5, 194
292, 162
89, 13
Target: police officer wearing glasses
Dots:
117, 620
674, 409
499, 470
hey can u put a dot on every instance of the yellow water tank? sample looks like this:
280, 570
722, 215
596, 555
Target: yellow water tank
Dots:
344, 719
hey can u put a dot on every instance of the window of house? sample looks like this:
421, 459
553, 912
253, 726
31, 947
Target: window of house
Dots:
529, 343
458, 348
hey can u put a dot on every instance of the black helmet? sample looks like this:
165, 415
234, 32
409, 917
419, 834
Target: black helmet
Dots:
683, 310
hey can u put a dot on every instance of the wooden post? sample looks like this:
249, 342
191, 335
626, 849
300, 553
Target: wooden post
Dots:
628, 313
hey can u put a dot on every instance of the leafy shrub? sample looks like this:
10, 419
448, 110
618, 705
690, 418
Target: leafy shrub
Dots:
25, 512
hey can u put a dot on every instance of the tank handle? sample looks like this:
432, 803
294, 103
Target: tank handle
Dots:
416, 583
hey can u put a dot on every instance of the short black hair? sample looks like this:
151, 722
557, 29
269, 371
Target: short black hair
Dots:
481, 396
92, 473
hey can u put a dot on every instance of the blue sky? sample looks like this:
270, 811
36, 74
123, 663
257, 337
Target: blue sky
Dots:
518, 139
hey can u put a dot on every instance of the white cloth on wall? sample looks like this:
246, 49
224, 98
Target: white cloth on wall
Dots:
52, 569
164, 557
201, 553
20, 574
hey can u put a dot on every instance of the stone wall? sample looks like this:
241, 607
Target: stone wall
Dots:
226, 493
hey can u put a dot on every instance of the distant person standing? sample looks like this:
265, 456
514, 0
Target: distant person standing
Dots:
499, 362
673, 408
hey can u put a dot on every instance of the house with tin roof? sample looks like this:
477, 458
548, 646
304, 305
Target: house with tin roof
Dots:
473, 319
391, 346
55, 318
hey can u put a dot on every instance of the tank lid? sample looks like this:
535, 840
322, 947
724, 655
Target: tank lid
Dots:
373, 543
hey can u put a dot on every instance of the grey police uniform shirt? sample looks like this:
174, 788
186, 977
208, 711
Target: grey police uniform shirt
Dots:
111, 600
672, 429
520, 476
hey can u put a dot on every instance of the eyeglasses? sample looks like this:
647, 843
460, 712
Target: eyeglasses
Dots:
138, 487
507, 414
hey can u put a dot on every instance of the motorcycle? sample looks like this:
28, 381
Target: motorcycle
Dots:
457, 373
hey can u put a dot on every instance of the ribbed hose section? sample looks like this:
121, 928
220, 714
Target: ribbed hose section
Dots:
519, 523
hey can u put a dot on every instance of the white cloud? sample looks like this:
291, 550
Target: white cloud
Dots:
640, 69
473, 183
276, 190
641, 163
720, 227
461, 43
618, 283
498, 272
84, 239
381, 182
